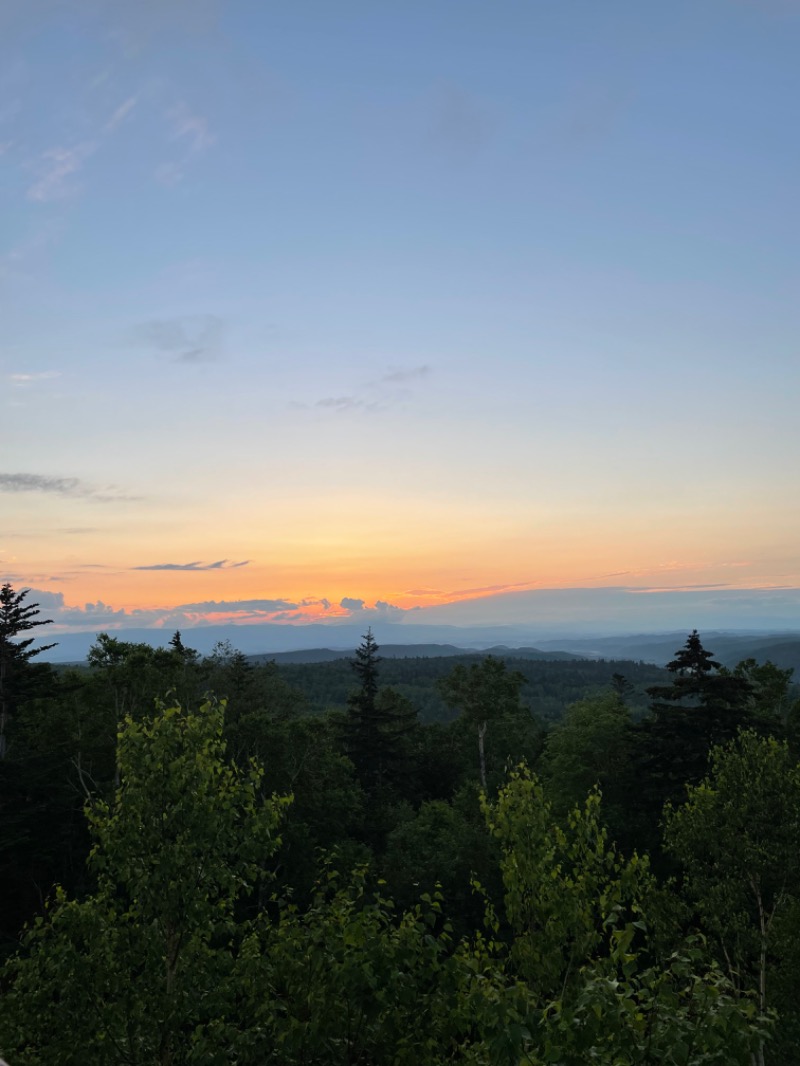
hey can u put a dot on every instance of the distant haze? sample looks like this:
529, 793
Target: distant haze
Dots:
514, 619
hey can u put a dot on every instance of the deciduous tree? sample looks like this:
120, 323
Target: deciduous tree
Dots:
483, 692
738, 840
143, 971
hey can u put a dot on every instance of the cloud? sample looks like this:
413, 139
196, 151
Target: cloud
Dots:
168, 174
210, 612
487, 589
324, 603
347, 403
188, 339
189, 127
120, 114
266, 607
21, 380
52, 603
56, 167
59, 486
382, 611
192, 133
220, 564
378, 394
400, 375
351, 604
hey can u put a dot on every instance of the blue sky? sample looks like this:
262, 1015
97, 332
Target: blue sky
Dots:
388, 302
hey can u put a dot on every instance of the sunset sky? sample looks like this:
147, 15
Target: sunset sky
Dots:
319, 310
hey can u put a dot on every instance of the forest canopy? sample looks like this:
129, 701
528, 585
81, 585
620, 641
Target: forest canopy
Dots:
242, 877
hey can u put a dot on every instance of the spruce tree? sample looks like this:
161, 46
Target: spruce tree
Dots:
16, 617
703, 705
377, 723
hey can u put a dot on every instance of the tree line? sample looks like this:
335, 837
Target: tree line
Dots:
194, 868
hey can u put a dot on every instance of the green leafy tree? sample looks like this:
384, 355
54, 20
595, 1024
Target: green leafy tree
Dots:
737, 838
771, 696
444, 846
483, 692
590, 747
144, 970
350, 981
133, 675
606, 984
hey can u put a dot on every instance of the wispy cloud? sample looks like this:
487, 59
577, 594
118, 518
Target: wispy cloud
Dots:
121, 113
56, 167
220, 564
192, 128
400, 375
60, 486
239, 606
192, 133
21, 380
487, 590
378, 394
347, 403
188, 339
168, 174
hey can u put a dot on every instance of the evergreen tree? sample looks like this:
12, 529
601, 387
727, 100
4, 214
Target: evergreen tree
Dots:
377, 723
16, 617
704, 705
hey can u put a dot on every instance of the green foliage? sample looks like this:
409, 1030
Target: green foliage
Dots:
565, 888
770, 689
703, 706
176, 954
349, 981
583, 945
445, 845
549, 686
590, 747
737, 838
377, 729
484, 692
16, 618
141, 971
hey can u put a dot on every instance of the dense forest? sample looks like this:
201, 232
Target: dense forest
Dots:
386, 862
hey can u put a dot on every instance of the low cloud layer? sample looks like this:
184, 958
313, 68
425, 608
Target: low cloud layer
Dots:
357, 610
100, 615
220, 564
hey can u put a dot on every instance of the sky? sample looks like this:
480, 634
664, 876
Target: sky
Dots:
331, 312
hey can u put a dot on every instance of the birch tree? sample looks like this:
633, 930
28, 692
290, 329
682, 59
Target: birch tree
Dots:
738, 839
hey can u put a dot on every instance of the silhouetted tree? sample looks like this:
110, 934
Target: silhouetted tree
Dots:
377, 722
16, 617
703, 705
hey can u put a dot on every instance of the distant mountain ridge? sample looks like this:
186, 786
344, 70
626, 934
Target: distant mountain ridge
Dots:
321, 643
417, 651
